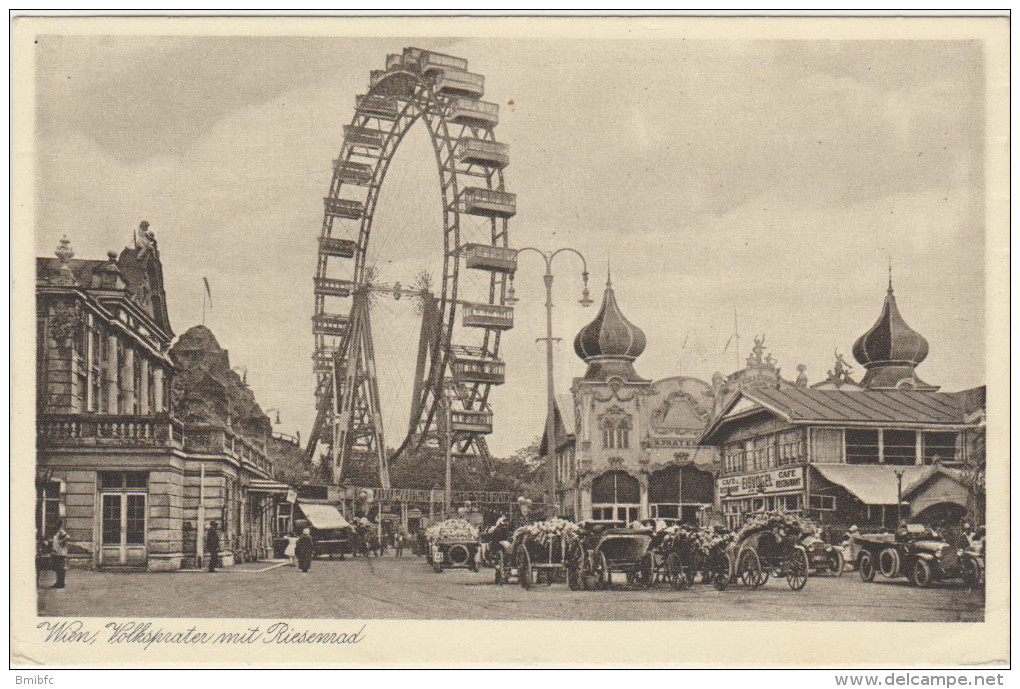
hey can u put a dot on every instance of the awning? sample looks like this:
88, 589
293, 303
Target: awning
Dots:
871, 484
324, 516
265, 486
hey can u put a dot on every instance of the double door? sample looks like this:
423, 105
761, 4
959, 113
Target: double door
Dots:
123, 529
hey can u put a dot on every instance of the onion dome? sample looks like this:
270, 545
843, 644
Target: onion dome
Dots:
891, 350
610, 343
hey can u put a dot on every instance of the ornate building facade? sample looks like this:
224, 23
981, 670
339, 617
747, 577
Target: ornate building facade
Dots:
113, 462
628, 448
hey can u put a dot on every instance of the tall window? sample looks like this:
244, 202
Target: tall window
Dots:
899, 447
615, 426
861, 446
50, 512
940, 446
137, 377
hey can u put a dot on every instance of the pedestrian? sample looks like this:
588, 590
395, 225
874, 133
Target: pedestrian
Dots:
398, 544
304, 550
290, 550
58, 549
212, 546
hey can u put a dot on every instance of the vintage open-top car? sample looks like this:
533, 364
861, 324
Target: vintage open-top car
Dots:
823, 557
914, 551
605, 548
452, 543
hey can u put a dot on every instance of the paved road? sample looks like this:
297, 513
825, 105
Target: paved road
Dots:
407, 589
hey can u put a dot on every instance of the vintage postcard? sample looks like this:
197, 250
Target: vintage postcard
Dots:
510, 342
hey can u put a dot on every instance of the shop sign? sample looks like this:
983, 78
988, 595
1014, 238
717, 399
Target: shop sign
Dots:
774, 481
671, 442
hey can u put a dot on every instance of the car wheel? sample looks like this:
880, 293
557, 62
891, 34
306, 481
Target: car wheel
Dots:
921, 574
889, 563
866, 566
839, 564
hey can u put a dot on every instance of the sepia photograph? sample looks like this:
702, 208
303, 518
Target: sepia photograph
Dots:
343, 326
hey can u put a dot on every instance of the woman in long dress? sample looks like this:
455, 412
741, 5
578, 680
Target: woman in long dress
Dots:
291, 549
304, 550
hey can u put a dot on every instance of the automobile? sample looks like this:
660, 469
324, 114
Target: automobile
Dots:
823, 557
914, 551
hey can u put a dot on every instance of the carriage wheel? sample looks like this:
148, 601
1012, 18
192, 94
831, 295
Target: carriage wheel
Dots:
796, 570
524, 573
840, 564
603, 577
500, 565
749, 567
574, 580
674, 572
866, 566
645, 573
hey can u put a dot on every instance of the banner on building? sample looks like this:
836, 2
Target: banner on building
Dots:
774, 481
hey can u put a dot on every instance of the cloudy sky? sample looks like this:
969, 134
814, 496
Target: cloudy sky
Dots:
774, 178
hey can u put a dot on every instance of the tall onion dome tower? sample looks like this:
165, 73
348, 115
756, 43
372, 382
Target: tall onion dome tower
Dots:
610, 343
891, 350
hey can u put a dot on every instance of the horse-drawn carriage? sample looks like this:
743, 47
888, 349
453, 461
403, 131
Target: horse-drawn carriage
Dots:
606, 547
682, 552
768, 545
538, 553
452, 543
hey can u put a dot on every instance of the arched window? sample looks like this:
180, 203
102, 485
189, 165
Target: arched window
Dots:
615, 425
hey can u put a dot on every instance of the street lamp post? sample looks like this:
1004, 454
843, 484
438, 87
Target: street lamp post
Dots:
550, 423
899, 494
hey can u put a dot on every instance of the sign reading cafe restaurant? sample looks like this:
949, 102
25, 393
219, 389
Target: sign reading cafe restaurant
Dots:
774, 481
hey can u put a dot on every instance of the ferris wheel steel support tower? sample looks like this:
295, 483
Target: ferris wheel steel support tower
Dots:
452, 368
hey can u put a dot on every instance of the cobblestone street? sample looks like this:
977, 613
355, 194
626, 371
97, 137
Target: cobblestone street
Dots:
408, 589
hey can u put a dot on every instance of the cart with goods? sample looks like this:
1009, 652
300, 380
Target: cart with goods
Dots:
452, 544
540, 553
686, 551
604, 551
768, 545
823, 558
916, 552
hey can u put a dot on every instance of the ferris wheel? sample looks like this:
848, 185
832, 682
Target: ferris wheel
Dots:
457, 362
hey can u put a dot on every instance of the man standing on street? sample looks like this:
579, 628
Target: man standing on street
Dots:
212, 546
305, 549
58, 547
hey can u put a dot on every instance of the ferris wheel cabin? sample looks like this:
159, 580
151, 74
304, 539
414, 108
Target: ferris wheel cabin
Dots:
378, 106
350, 172
490, 154
337, 247
474, 112
492, 316
332, 287
499, 259
363, 137
490, 203
471, 421
474, 365
344, 208
330, 324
